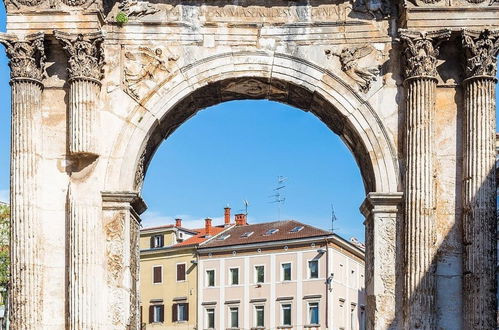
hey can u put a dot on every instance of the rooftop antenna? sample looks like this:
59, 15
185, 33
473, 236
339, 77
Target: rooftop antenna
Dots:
246, 204
333, 218
278, 198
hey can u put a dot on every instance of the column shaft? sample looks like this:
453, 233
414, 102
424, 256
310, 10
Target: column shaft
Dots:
82, 115
479, 202
419, 204
83, 262
25, 303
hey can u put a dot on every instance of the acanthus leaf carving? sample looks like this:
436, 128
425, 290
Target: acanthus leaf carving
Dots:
27, 56
421, 50
144, 69
115, 234
85, 54
481, 49
349, 59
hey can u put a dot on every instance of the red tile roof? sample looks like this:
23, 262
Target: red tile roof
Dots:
169, 226
200, 236
259, 233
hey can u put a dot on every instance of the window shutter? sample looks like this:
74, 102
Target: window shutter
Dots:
161, 313
187, 312
174, 312
162, 240
157, 275
152, 242
141, 315
151, 314
181, 272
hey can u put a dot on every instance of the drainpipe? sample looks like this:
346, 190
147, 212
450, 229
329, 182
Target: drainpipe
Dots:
327, 284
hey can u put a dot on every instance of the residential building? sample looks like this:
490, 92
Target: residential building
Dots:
168, 273
280, 275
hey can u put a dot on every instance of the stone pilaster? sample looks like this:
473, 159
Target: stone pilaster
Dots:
420, 53
121, 228
86, 60
479, 188
27, 59
381, 211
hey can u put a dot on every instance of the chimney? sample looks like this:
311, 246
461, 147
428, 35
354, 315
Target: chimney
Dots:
178, 222
227, 216
241, 219
207, 227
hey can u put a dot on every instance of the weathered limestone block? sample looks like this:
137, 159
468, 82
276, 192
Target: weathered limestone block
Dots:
479, 190
382, 210
421, 51
27, 61
121, 229
86, 61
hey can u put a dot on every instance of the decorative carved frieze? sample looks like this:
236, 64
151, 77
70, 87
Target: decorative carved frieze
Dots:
421, 51
481, 50
48, 4
144, 69
85, 54
376, 8
350, 64
27, 56
137, 9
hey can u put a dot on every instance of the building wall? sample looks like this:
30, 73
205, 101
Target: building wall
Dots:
345, 300
170, 288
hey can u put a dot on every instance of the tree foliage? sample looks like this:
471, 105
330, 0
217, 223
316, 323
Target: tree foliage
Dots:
4, 245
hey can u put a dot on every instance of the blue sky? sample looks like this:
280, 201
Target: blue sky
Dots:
235, 151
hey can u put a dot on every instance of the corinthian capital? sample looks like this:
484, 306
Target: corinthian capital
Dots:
421, 51
85, 54
481, 49
27, 56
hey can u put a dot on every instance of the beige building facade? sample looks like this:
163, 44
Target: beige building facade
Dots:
409, 86
304, 282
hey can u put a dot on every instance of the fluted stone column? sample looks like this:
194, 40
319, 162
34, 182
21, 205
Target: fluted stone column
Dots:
27, 59
479, 188
86, 60
420, 52
121, 226
381, 211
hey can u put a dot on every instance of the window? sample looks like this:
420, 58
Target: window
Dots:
180, 272
234, 317
259, 316
157, 274
313, 313
286, 314
313, 269
223, 237
286, 271
210, 277
234, 276
259, 274
247, 234
157, 241
156, 313
296, 229
271, 232
180, 312
210, 318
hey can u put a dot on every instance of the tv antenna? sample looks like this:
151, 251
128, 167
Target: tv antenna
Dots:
333, 219
278, 197
246, 204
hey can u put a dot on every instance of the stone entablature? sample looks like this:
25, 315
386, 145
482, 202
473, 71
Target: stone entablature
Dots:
410, 89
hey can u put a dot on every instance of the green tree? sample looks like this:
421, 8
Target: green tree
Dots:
4, 250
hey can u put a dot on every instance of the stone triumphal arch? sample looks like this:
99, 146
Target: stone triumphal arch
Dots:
408, 85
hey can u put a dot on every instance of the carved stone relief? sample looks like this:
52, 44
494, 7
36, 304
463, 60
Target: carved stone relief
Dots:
115, 233
144, 69
27, 56
137, 9
350, 58
376, 8
48, 4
